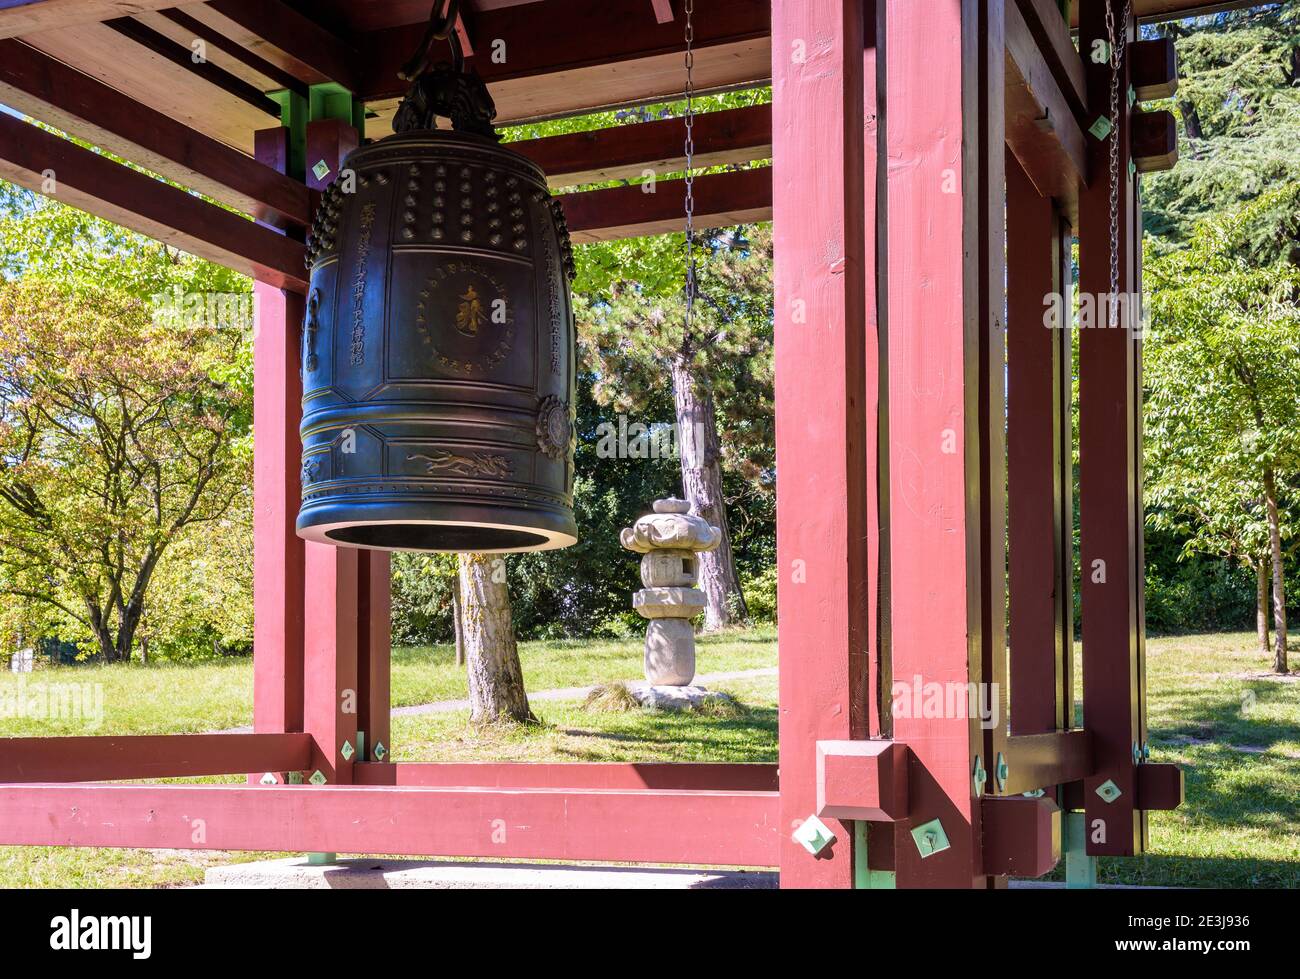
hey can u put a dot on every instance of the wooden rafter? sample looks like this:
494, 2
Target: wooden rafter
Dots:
50, 91
620, 152
282, 36
31, 157
737, 197
28, 16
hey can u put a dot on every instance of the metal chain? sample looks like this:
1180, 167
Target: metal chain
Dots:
690, 164
1118, 44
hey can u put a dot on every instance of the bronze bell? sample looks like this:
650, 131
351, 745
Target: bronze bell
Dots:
438, 346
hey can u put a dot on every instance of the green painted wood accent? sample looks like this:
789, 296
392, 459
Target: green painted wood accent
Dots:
322, 859
864, 878
1080, 869
294, 116
332, 101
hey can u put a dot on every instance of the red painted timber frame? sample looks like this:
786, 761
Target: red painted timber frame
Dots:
903, 504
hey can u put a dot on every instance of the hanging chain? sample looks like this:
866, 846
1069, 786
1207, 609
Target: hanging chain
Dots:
1118, 37
690, 164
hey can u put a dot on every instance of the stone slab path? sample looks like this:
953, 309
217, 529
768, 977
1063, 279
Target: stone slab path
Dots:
562, 693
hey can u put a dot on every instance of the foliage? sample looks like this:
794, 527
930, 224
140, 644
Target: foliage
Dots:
1222, 368
115, 436
1238, 105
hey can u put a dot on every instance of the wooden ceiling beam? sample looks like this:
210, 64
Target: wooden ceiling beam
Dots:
183, 57
721, 200
30, 16
1041, 128
151, 79
50, 91
568, 56
277, 33
100, 186
623, 152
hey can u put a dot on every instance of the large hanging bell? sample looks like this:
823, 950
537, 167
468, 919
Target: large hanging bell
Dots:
438, 345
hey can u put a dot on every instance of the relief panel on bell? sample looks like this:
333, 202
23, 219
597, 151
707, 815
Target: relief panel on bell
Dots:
359, 324
461, 317
457, 461
316, 354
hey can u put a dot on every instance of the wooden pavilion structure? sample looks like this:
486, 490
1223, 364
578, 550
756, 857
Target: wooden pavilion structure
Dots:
930, 165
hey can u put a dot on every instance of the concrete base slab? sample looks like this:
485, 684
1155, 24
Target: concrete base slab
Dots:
380, 874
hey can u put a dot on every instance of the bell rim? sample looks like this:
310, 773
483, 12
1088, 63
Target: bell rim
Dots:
556, 535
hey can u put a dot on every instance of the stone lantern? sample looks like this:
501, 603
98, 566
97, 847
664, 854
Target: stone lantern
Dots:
671, 540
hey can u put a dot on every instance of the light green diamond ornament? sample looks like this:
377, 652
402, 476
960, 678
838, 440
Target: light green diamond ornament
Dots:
930, 839
813, 835
318, 778
321, 170
269, 778
295, 778
1109, 791
1002, 771
380, 751
1101, 128
979, 776
346, 751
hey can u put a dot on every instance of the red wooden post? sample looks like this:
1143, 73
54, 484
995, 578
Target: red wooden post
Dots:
1110, 509
938, 189
374, 653
1038, 458
826, 398
277, 550
335, 632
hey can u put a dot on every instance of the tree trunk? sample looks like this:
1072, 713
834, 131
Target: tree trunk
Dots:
697, 440
457, 626
1191, 120
1261, 603
496, 680
1279, 584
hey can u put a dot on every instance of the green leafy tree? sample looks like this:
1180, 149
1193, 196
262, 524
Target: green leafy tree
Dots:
116, 437
1239, 109
1222, 416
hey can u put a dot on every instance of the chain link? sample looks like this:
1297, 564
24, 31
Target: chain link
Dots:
690, 163
1118, 37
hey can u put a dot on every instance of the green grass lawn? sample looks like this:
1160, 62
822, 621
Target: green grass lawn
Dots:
1212, 710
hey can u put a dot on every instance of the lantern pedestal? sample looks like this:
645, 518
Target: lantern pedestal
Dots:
669, 538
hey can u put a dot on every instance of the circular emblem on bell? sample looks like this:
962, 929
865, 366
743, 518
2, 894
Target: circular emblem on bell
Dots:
554, 430
465, 317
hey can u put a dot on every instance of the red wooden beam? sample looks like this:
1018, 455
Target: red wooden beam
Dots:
1110, 509
826, 394
862, 780
1159, 787
1039, 460
937, 248
291, 41
663, 11
721, 199
30, 16
278, 554
706, 828
84, 759
1048, 27
1155, 141
60, 96
620, 152
1155, 69
1041, 127
374, 654
97, 184
1022, 836
609, 775
1041, 761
